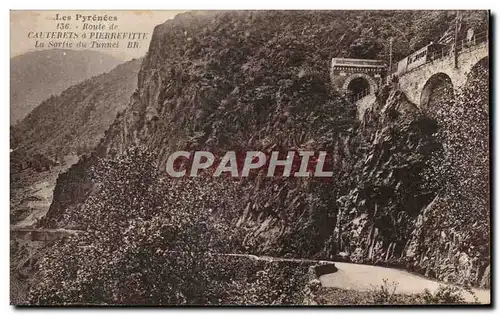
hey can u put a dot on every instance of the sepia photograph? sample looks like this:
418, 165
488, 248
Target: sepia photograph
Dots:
250, 158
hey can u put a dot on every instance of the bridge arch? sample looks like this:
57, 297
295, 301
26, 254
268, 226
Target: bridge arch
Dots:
437, 86
482, 65
413, 81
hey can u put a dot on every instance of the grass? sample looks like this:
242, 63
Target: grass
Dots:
386, 295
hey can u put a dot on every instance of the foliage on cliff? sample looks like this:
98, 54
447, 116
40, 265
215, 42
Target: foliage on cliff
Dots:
148, 240
387, 187
456, 228
259, 80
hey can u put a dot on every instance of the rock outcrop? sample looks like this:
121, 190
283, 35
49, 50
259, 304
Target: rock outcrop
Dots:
259, 81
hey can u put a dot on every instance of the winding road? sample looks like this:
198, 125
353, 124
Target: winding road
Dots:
348, 276
366, 277
360, 277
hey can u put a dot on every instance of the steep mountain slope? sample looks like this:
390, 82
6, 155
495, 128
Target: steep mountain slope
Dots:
75, 120
259, 81
49, 140
62, 127
35, 76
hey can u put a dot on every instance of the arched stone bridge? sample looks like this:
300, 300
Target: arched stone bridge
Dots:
418, 83
417, 75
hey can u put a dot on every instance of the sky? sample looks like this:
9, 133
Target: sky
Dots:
26, 26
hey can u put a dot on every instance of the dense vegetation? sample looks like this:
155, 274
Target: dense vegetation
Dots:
141, 245
458, 223
259, 81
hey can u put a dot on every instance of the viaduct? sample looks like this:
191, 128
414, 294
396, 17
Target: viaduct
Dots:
417, 75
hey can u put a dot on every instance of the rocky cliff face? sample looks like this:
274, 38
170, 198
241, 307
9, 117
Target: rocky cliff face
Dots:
387, 186
259, 81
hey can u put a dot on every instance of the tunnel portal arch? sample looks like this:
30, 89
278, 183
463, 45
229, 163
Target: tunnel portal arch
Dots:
358, 81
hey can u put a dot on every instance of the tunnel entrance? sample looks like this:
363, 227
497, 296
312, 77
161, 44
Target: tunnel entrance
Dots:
358, 85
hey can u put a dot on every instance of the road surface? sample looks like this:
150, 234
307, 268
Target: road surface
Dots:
365, 277
360, 277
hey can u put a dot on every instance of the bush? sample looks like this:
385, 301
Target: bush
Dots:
153, 241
